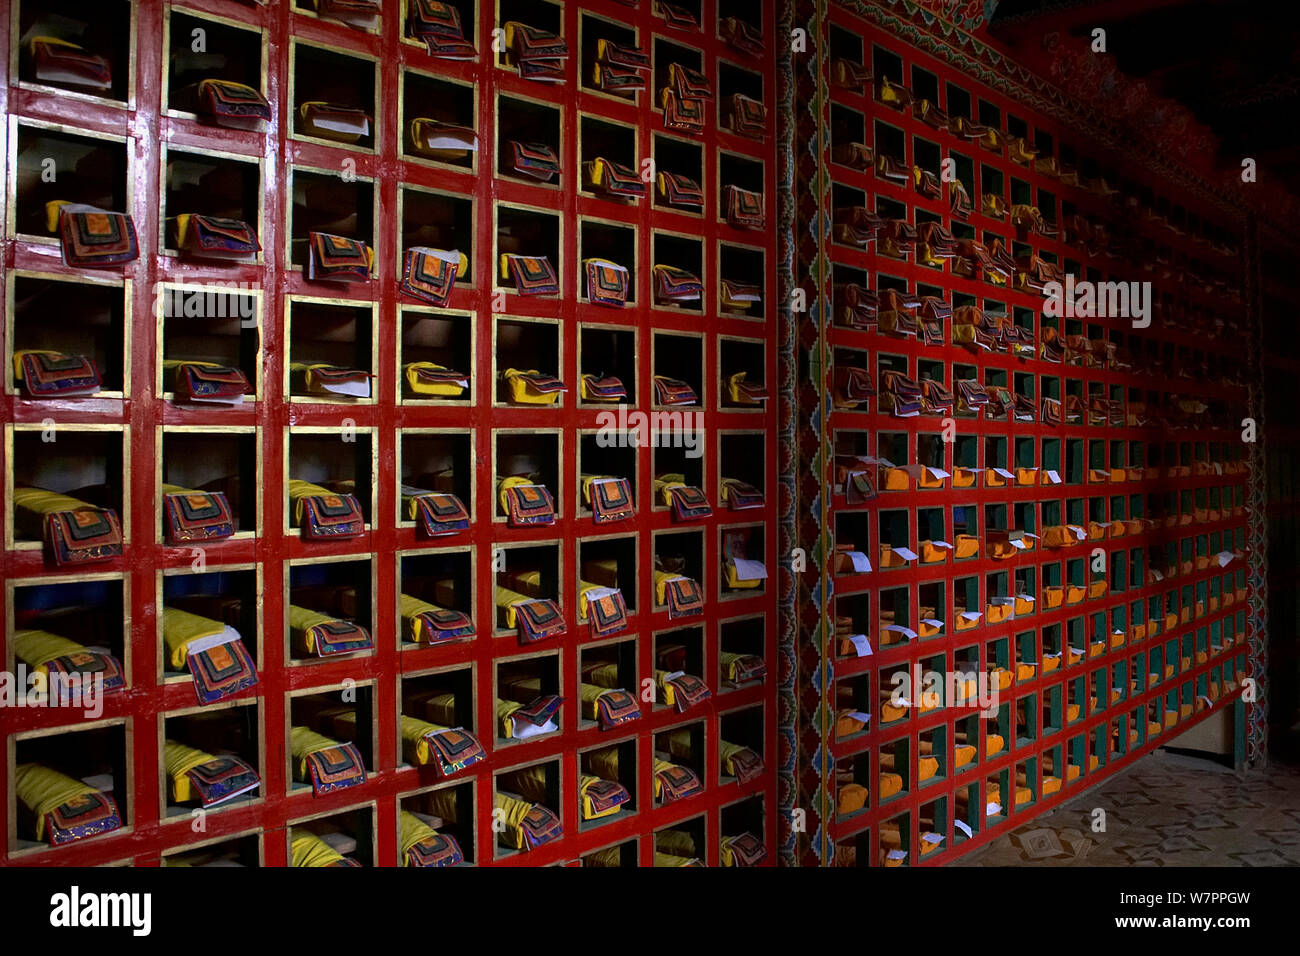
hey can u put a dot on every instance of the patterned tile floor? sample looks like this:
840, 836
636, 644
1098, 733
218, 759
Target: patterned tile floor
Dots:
1167, 810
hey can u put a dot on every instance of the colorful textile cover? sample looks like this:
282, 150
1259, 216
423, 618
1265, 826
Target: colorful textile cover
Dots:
687, 502
615, 179
307, 849
677, 17
338, 258
535, 618
48, 374
532, 275
358, 14
604, 609
212, 780
683, 596
607, 282
745, 849
738, 495
600, 798
532, 387
743, 763
326, 764
679, 190
449, 749
527, 825
741, 392
610, 498
59, 61
227, 103
212, 237
438, 25
739, 296
324, 515
438, 512
196, 515
535, 160
525, 503
745, 208
213, 652
684, 115
340, 124
680, 690
422, 845
747, 117
425, 623
676, 285
89, 236
602, 389
673, 391
334, 380
324, 635
428, 274
741, 36
608, 705
743, 668
675, 782
429, 378
60, 658
75, 532
65, 809
207, 382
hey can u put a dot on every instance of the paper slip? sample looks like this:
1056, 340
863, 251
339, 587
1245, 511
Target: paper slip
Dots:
961, 825
907, 554
861, 563
931, 622
747, 570
1053, 476
861, 645
899, 629
1003, 472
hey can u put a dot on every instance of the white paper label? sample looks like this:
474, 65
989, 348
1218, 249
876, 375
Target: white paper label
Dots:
899, 629
961, 825
907, 554
1053, 477
861, 645
747, 570
861, 563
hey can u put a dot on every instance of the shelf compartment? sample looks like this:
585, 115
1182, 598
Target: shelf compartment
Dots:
444, 577
205, 324
233, 731
52, 164
343, 80
339, 589
92, 323
226, 51
201, 458
85, 462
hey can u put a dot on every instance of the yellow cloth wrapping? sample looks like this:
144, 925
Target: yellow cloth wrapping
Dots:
610, 856
727, 751
675, 843
664, 485
412, 608
413, 830
589, 812
603, 762
606, 675
179, 760
303, 742
43, 502
37, 648
522, 391
307, 849
441, 709
420, 387
506, 600
591, 694
661, 584
513, 812
672, 859
180, 629
660, 765
415, 743
301, 621
42, 790
586, 484
298, 490
506, 723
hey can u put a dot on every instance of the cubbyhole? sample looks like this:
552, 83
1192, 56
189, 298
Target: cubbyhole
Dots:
217, 462
854, 705
848, 128
86, 169
540, 14
1027, 784
203, 325
444, 698
614, 762
605, 240
595, 458
685, 747
896, 762
95, 757
230, 53
679, 650
230, 598
86, 465
437, 461
439, 220
210, 185
444, 579
525, 232
681, 158
611, 665
744, 544
348, 718
740, 356
679, 252
531, 572
243, 851
326, 460
525, 122
678, 464
680, 357
887, 63
593, 29
340, 590
426, 97
533, 455
743, 728
91, 613
610, 563
323, 333
350, 833
932, 609
445, 339
522, 681
665, 54
91, 323
744, 638
334, 80
853, 537
682, 844
895, 694
845, 44
450, 811
538, 784
747, 816
740, 171
601, 139
890, 141
327, 203
742, 456
101, 29
897, 617
604, 352
229, 731
854, 786
854, 624
525, 345
742, 266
